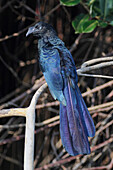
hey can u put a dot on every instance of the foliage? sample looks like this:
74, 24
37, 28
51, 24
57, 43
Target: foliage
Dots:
98, 13
70, 2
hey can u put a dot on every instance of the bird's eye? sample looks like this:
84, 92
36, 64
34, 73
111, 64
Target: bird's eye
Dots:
36, 27
40, 27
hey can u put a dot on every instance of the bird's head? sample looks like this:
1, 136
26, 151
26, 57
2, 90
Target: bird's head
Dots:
40, 29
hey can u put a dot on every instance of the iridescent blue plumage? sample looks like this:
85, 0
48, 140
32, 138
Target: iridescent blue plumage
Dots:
59, 70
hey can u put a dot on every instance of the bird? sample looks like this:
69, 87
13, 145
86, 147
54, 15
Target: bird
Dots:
58, 67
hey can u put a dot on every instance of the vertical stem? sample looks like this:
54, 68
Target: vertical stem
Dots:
29, 139
30, 127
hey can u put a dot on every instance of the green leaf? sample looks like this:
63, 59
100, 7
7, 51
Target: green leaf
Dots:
79, 18
84, 19
94, 8
79, 21
90, 2
70, 2
89, 26
102, 24
82, 24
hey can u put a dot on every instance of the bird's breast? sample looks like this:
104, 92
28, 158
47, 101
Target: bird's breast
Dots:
47, 58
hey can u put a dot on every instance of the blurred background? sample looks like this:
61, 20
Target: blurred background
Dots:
20, 76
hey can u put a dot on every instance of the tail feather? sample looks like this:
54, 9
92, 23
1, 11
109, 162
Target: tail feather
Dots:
64, 131
73, 128
87, 117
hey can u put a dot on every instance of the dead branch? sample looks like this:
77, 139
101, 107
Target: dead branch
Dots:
30, 126
67, 160
87, 68
13, 112
29, 113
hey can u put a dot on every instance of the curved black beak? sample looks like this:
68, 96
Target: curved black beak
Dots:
30, 31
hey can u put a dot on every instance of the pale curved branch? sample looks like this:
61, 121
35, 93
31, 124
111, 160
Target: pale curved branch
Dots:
96, 60
94, 67
29, 113
94, 75
13, 112
30, 126
85, 67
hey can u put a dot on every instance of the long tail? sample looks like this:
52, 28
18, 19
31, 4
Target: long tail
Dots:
76, 123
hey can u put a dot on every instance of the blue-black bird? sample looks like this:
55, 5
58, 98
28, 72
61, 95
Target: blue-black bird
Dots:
58, 67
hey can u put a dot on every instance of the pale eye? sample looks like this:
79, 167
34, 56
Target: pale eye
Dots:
40, 27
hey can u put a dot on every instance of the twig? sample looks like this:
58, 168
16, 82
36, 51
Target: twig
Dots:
14, 34
37, 84
45, 122
87, 68
94, 75
67, 160
104, 127
13, 93
97, 66
91, 45
11, 160
93, 108
85, 6
74, 46
13, 72
110, 83
27, 8
52, 10
55, 103
102, 144
106, 167
27, 63
67, 13
25, 29
30, 124
100, 106
19, 137
29, 134
93, 61
6, 5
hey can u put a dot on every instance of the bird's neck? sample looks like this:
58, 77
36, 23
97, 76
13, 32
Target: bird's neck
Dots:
41, 43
